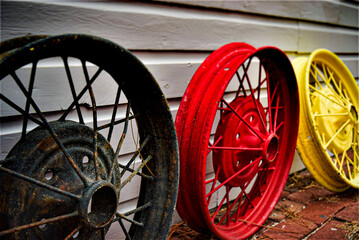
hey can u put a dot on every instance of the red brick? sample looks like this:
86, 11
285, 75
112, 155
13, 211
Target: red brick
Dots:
320, 192
320, 211
290, 229
331, 230
349, 196
349, 213
284, 195
301, 196
288, 206
277, 216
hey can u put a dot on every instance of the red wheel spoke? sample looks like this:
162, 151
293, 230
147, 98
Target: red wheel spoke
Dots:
241, 149
219, 207
276, 112
211, 146
240, 196
259, 135
254, 100
214, 184
241, 86
233, 176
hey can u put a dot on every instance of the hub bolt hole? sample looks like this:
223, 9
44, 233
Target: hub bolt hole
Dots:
76, 235
251, 119
85, 161
237, 136
42, 226
48, 175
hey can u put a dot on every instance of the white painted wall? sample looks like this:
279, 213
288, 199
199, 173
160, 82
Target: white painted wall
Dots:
173, 37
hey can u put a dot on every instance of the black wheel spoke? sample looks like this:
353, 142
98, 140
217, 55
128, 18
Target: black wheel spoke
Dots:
128, 179
72, 87
129, 220
49, 128
124, 229
79, 96
94, 112
27, 106
35, 224
135, 155
39, 183
119, 145
20, 110
113, 118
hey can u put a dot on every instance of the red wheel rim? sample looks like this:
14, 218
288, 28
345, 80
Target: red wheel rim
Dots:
224, 126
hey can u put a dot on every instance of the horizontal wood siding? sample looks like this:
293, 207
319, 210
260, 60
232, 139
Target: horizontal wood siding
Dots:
172, 38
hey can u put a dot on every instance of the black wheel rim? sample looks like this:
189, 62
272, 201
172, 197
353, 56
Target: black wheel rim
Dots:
67, 145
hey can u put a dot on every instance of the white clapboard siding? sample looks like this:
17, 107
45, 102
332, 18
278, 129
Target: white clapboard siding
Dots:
333, 12
172, 38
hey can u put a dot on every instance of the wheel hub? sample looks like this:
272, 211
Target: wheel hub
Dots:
233, 134
331, 115
39, 157
99, 204
270, 149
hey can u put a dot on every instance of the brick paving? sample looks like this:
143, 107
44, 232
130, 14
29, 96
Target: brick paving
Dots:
305, 211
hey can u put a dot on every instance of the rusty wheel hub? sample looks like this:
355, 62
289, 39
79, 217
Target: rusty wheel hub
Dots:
39, 157
99, 204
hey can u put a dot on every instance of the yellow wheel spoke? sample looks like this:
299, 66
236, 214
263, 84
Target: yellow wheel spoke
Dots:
316, 79
339, 130
342, 162
332, 100
327, 82
330, 115
336, 86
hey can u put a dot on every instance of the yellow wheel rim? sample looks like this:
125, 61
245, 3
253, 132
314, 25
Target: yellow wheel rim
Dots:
329, 126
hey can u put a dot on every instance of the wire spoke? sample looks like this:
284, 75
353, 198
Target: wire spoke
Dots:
136, 154
327, 82
39, 183
330, 115
27, 106
117, 99
241, 80
276, 112
72, 87
116, 122
218, 208
323, 95
135, 172
241, 149
244, 121
35, 224
94, 113
338, 131
214, 183
79, 96
124, 229
119, 145
253, 98
49, 128
143, 207
121, 216
148, 177
20, 110
233, 176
